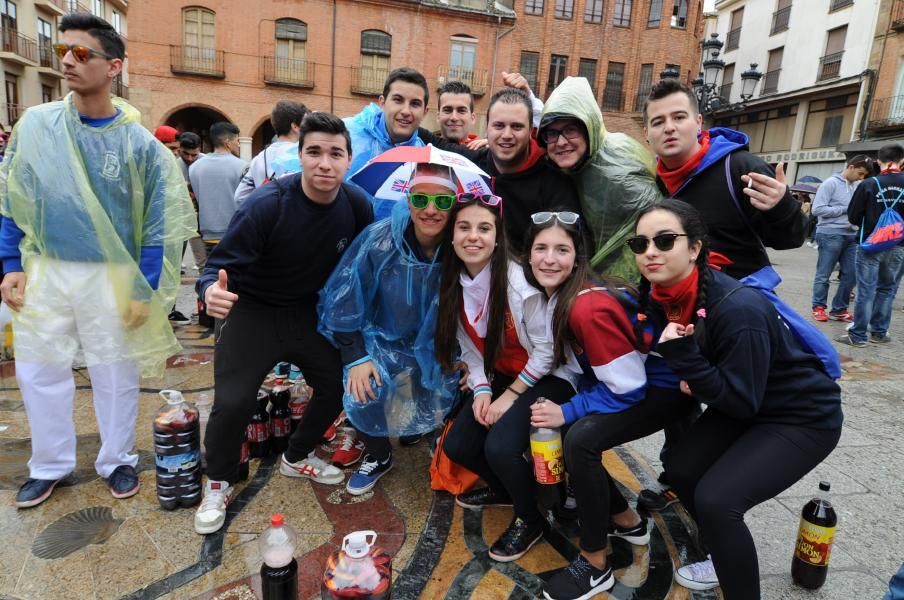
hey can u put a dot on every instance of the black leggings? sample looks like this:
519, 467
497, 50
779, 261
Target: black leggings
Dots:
596, 494
725, 467
249, 342
497, 454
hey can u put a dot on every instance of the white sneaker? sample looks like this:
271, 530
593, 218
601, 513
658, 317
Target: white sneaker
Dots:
698, 576
312, 468
211, 513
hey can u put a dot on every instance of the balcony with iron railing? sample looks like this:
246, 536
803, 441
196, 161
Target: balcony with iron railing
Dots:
897, 15
191, 60
57, 7
830, 66
780, 19
613, 100
733, 40
368, 81
475, 79
770, 82
13, 112
17, 47
120, 88
48, 62
288, 71
886, 113
76, 6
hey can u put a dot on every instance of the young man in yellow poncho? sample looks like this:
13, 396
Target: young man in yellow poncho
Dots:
95, 212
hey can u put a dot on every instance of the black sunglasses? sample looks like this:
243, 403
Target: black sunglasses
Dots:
664, 242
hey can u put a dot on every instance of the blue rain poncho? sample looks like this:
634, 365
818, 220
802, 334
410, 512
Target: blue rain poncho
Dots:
104, 195
383, 291
615, 182
370, 139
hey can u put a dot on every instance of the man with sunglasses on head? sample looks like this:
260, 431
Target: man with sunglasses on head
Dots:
262, 281
379, 308
95, 213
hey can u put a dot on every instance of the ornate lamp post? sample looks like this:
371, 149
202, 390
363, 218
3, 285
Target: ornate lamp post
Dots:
706, 85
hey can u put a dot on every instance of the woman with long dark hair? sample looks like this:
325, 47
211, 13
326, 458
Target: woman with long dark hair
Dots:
625, 394
773, 412
501, 324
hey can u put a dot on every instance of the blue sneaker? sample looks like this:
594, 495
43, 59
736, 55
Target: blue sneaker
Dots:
368, 474
124, 482
35, 491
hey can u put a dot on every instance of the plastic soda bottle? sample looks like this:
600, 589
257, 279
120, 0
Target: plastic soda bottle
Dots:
359, 571
300, 395
810, 564
280, 417
546, 453
279, 573
177, 452
259, 428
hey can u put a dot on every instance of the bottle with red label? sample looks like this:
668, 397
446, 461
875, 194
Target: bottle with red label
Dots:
280, 417
244, 457
259, 428
815, 535
300, 394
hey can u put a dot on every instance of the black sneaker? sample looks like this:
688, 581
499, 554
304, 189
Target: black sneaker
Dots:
124, 482
482, 498
177, 318
656, 501
578, 581
637, 535
35, 491
516, 541
411, 440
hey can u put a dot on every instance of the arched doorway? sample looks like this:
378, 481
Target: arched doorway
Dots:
262, 137
197, 119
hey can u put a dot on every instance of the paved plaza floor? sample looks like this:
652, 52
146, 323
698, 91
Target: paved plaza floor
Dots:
83, 544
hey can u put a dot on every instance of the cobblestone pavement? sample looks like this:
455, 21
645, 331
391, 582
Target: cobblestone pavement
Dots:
134, 549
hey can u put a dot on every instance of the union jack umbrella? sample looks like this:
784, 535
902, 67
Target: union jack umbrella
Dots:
388, 175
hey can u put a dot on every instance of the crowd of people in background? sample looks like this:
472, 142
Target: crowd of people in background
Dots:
596, 289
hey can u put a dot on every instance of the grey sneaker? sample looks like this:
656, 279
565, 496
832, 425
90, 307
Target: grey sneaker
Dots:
880, 339
847, 340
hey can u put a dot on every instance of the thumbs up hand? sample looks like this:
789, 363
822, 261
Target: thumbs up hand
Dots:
218, 298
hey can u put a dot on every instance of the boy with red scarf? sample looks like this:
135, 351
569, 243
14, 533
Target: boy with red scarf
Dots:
737, 192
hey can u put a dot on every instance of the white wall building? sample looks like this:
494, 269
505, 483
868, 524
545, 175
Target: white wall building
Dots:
813, 54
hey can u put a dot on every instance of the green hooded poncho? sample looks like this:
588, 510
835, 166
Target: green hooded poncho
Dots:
615, 182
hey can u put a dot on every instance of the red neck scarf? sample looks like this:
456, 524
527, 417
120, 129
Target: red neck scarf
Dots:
674, 179
892, 168
678, 300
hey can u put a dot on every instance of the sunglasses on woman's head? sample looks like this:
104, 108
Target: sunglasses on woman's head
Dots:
442, 202
79, 53
663, 242
488, 199
566, 217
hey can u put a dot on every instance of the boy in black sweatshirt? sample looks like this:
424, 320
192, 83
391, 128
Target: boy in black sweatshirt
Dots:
263, 280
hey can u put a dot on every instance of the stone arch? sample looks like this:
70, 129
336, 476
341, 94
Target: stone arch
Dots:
195, 117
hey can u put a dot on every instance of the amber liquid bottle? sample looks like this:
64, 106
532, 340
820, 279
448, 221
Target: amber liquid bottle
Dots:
810, 564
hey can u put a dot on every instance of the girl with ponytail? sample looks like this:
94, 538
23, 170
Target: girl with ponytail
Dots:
773, 412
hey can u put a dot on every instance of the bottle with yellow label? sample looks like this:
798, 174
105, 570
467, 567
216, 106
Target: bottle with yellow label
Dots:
810, 564
546, 453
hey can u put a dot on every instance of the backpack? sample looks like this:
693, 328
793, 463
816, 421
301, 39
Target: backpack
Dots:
889, 229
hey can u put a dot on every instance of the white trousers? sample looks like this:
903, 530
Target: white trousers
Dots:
71, 306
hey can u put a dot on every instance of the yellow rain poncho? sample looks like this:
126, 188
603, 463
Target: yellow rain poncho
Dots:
97, 199
615, 182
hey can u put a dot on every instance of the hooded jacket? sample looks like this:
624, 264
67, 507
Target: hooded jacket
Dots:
716, 190
615, 181
386, 290
831, 205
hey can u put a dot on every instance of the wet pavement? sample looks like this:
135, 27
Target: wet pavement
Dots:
82, 543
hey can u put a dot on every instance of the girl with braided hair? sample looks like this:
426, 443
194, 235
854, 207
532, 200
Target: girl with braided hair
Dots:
624, 393
773, 412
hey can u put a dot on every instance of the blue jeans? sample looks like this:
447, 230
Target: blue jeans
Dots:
878, 276
835, 248
896, 586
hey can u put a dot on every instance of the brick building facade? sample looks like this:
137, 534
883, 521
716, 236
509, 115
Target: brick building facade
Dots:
192, 64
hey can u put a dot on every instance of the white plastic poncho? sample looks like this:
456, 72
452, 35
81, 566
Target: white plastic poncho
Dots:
615, 183
94, 196
383, 291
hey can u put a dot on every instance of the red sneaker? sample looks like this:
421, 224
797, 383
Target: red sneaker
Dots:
819, 313
843, 315
330, 434
350, 449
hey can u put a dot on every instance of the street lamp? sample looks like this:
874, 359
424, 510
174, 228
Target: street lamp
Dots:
706, 85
